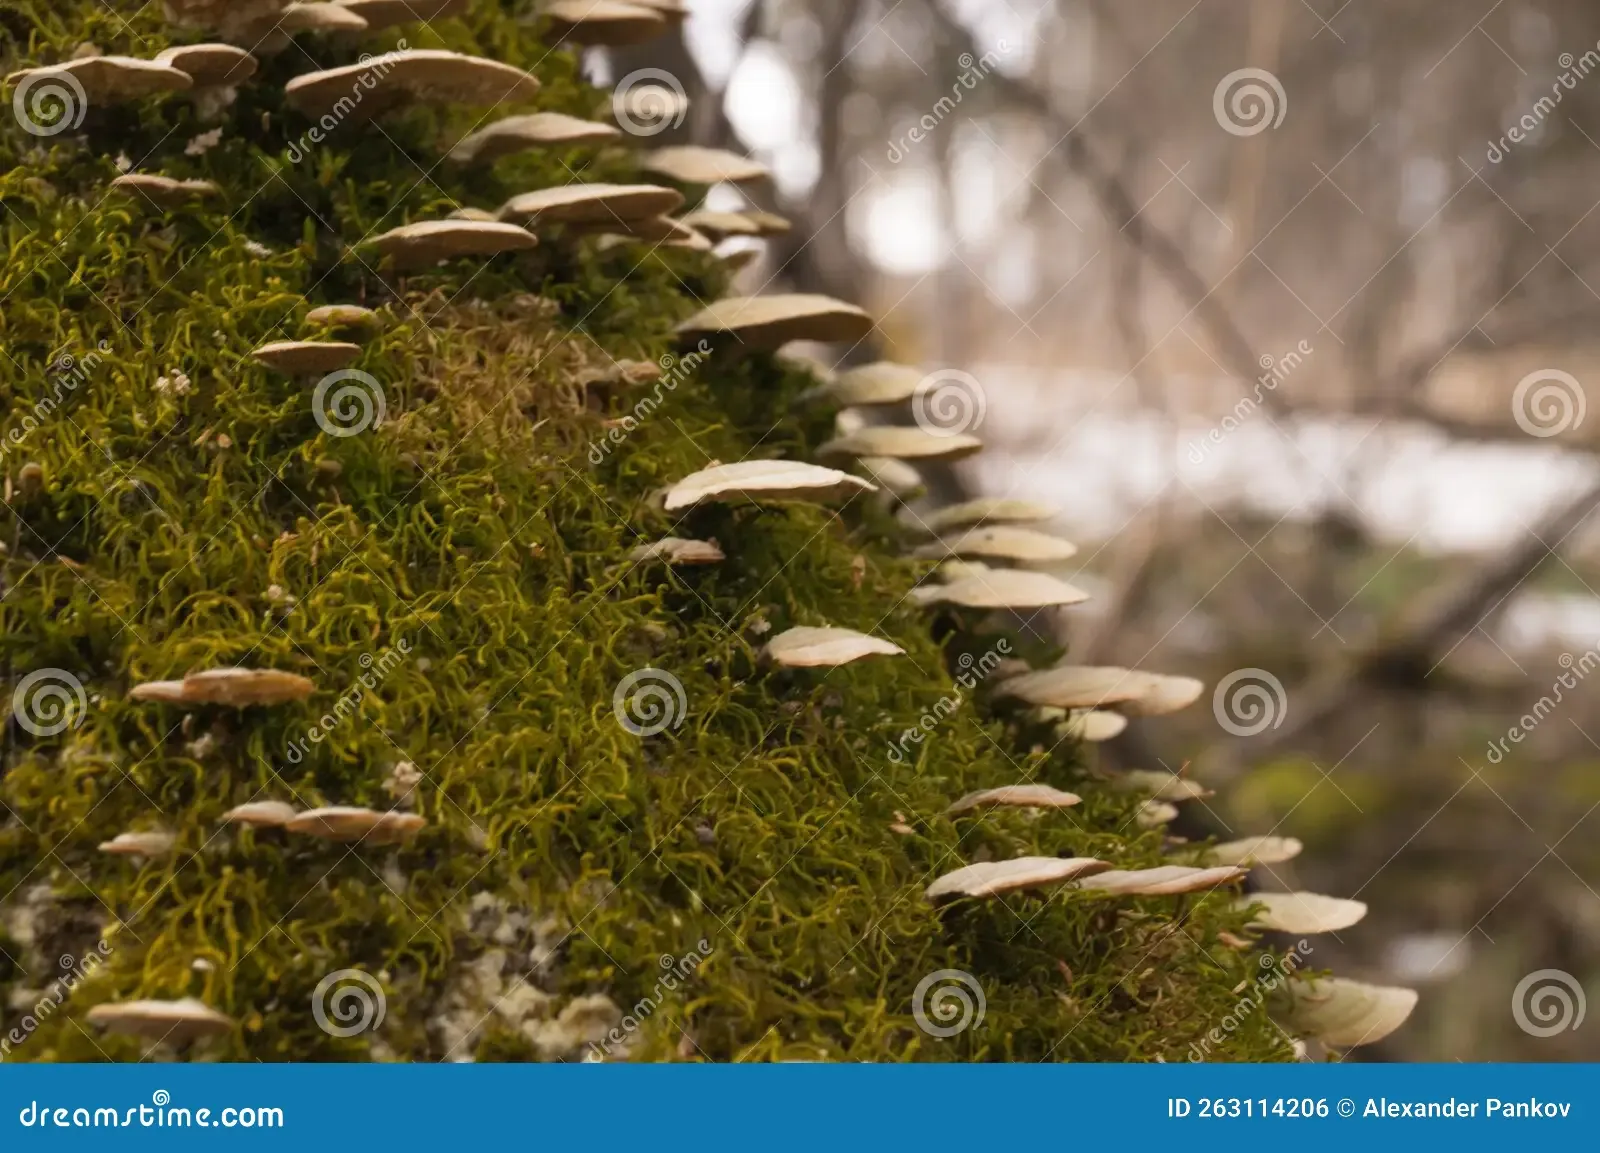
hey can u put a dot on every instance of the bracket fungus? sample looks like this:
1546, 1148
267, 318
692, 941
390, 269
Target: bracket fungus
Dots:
692, 164
825, 648
538, 129
1253, 851
1015, 796
1344, 1013
389, 13
210, 65
894, 476
103, 79
307, 357
610, 23
163, 191
1089, 687
181, 1020
1093, 726
413, 73
678, 551
341, 823
238, 688
1163, 880
430, 241
260, 814
1303, 912
341, 317
764, 481
1160, 784
580, 203
992, 878
985, 510
147, 844
1000, 589
1001, 542
903, 444
770, 322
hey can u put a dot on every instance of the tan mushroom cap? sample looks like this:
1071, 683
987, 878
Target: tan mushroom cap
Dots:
678, 551
902, 444
1344, 1013
1303, 912
1163, 880
1160, 784
1000, 589
1093, 726
181, 1020
1001, 542
164, 191
426, 73
813, 648
261, 814
1016, 796
721, 225
693, 164
985, 510
238, 688
210, 65
388, 13
148, 844
1253, 851
674, 10
661, 230
993, 878
769, 322
1154, 814
519, 133
341, 316
478, 214
649, 104
882, 382
894, 476
603, 22
340, 823
429, 241
307, 357
1090, 687
605, 204
762, 481
110, 79
275, 32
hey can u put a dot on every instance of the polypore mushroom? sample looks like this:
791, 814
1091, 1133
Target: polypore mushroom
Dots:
1162, 881
210, 65
811, 648
260, 814
430, 241
693, 164
388, 13
985, 510
1160, 784
1015, 796
1001, 542
1085, 687
307, 357
369, 826
237, 688
769, 322
148, 844
605, 204
895, 476
1344, 1013
993, 878
341, 317
763, 481
424, 73
1093, 725
1302, 912
163, 191
181, 1020
903, 444
519, 133
1000, 589
1253, 851
678, 551
104, 79
604, 22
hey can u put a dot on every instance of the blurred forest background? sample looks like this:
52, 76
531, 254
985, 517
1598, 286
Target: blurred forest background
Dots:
1289, 305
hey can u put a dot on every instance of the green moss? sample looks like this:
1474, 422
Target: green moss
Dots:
471, 528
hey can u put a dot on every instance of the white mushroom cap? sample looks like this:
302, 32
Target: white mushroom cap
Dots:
649, 105
763, 481
721, 225
163, 191
368, 826
473, 214
1344, 1013
307, 357
429, 241
607, 22
1000, 589
519, 133
341, 316
1089, 687
1162, 881
810, 648
769, 322
985, 510
1254, 851
388, 13
993, 878
426, 73
1001, 542
148, 844
180, 1020
1154, 814
111, 79
261, 814
678, 551
1093, 725
580, 203
1016, 796
236, 687
895, 476
882, 382
1303, 912
1160, 784
902, 444
210, 65
657, 230
693, 164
